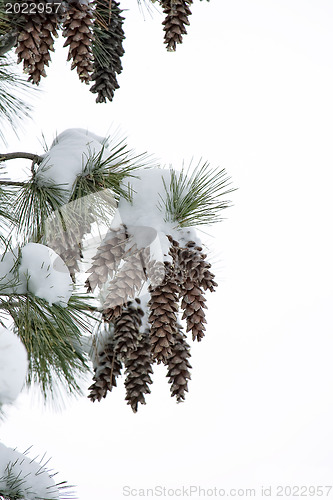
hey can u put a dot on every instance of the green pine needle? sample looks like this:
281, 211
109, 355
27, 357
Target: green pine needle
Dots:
12, 106
34, 204
5, 25
107, 174
102, 14
7, 218
52, 337
16, 484
196, 198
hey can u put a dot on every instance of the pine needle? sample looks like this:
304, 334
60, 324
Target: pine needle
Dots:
196, 198
16, 484
108, 174
12, 106
52, 337
34, 204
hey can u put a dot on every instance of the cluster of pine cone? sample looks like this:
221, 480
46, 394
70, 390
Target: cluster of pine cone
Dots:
139, 337
94, 35
93, 32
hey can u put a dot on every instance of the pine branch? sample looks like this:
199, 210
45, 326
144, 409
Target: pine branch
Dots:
29, 156
12, 183
52, 337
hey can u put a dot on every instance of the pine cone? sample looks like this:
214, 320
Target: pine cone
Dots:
107, 370
108, 65
78, 31
193, 276
66, 241
163, 316
125, 285
138, 369
107, 259
154, 270
193, 303
35, 41
177, 12
126, 330
179, 366
197, 267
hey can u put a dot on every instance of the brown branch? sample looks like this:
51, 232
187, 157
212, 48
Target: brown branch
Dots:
12, 183
29, 156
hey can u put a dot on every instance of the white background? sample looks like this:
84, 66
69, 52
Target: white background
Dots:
250, 90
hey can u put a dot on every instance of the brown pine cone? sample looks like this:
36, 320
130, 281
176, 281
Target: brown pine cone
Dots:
197, 267
106, 372
179, 366
193, 276
163, 306
154, 270
138, 369
66, 239
193, 304
107, 259
177, 13
35, 41
78, 31
125, 285
127, 329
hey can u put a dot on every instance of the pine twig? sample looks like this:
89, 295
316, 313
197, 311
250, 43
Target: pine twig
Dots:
12, 183
29, 156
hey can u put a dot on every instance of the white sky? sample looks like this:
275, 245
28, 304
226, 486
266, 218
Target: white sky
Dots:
250, 90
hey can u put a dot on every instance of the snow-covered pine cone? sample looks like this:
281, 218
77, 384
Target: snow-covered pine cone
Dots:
163, 306
78, 30
127, 329
179, 366
106, 372
125, 285
107, 258
138, 370
35, 41
106, 69
177, 13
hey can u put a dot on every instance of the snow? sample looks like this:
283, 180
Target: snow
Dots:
145, 216
41, 272
35, 481
45, 273
67, 158
13, 366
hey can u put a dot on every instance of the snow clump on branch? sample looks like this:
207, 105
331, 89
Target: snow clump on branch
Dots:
67, 157
13, 367
22, 477
39, 270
